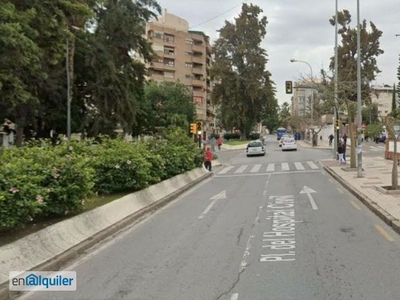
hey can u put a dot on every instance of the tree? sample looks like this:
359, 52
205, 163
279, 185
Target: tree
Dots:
165, 105
243, 84
370, 114
284, 114
347, 65
20, 60
114, 83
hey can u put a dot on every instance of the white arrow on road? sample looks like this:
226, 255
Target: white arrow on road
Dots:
308, 191
221, 195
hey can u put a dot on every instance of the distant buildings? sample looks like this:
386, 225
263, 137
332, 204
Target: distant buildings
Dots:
383, 95
182, 55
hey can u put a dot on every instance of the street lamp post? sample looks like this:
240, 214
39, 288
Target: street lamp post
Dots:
359, 146
312, 90
337, 112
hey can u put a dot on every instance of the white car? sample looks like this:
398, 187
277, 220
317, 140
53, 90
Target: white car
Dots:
282, 138
255, 148
289, 144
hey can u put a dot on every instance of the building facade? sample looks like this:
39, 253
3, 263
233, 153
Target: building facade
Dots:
301, 100
383, 95
185, 56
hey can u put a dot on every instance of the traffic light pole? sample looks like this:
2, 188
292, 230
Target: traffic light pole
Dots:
199, 138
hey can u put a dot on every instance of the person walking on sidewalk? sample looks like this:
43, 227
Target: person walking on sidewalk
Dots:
340, 151
331, 137
344, 146
208, 157
219, 142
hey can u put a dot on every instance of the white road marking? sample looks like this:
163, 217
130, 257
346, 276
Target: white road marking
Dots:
207, 209
243, 263
308, 191
256, 168
312, 165
266, 174
285, 167
225, 170
235, 296
241, 169
299, 166
270, 168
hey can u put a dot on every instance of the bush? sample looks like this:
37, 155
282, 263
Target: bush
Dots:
42, 180
231, 136
254, 136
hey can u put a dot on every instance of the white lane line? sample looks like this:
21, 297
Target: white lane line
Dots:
285, 167
235, 296
312, 165
313, 204
299, 166
271, 167
266, 174
207, 209
255, 169
241, 169
243, 263
225, 170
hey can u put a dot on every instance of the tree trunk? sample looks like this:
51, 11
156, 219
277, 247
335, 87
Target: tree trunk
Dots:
71, 53
20, 121
395, 179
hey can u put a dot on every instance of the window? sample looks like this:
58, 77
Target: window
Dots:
189, 76
158, 35
189, 41
169, 51
169, 38
169, 74
190, 53
189, 65
255, 144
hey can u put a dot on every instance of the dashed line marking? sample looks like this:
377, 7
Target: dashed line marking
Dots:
235, 296
355, 205
384, 233
340, 191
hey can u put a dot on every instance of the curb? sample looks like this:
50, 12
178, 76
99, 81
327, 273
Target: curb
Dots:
56, 263
376, 209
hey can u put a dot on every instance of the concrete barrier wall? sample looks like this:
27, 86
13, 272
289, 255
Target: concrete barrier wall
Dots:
40, 247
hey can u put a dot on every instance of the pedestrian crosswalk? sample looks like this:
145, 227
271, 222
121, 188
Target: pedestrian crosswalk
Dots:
270, 168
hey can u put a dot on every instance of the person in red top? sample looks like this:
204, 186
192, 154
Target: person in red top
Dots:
208, 156
219, 142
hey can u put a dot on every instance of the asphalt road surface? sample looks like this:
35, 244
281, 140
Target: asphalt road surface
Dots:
263, 228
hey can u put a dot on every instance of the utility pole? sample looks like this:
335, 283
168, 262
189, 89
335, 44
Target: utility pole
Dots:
337, 112
359, 146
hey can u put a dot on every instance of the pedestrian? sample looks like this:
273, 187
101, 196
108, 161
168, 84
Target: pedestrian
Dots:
219, 142
340, 151
344, 146
208, 157
53, 136
331, 137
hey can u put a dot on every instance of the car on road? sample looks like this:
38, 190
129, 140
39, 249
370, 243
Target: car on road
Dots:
282, 138
289, 143
255, 148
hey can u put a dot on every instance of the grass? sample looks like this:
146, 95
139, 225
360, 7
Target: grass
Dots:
10, 236
236, 143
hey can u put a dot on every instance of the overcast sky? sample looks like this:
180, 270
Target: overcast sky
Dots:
300, 30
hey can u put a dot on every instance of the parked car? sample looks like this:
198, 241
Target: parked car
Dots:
289, 144
255, 148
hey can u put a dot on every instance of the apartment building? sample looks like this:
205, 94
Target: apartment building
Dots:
301, 100
182, 55
383, 95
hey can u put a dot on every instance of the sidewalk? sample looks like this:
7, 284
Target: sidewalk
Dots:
323, 145
377, 173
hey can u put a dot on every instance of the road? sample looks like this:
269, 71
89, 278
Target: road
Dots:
264, 228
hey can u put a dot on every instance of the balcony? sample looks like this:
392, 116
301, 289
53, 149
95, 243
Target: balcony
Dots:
197, 70
198, 82
198, 93
157, 65
198, 59
201, 113
198, 48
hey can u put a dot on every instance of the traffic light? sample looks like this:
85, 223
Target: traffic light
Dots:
337, 124
199, 126
289, 87
193, 128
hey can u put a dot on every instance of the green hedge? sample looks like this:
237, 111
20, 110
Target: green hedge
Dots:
42, 180
231, 136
